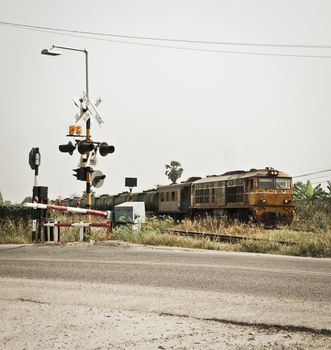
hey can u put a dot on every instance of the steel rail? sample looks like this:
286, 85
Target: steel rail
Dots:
220, 237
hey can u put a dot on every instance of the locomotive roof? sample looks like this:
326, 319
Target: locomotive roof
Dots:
241, 174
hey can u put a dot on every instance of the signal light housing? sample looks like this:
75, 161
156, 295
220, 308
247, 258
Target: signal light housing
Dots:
105, 149
98, 178
81, 173
68, 148
85, 146
34, 158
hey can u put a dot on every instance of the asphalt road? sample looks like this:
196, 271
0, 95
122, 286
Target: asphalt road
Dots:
248, 291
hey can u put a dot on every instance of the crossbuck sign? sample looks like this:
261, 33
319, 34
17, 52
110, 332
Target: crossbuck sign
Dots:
88, 109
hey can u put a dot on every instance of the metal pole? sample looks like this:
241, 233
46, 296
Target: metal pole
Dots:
36, 169
88, 137
88, 122
36, 176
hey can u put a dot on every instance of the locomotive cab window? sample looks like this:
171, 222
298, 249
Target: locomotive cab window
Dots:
278, 183
265, 182
283, 183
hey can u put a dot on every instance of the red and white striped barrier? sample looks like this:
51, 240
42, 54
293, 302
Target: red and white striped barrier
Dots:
68, 209
82, 225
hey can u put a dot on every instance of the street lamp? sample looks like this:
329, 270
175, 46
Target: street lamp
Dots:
52, 52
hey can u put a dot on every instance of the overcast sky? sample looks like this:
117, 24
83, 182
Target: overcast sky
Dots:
211, 111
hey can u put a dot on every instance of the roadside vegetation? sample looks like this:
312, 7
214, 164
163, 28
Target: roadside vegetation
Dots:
15, 226
159, 231
309, 234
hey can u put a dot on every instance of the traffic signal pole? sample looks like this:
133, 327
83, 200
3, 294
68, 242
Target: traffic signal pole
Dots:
88, 137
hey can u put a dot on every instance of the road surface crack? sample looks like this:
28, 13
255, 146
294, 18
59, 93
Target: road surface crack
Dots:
32, 301
263, 326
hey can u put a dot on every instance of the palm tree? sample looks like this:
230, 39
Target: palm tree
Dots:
174, 171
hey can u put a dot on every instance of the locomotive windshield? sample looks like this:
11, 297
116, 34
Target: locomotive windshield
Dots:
278, 183
283, 183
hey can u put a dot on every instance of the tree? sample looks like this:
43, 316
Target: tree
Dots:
174, 171
306, 192
1, 199
27, 199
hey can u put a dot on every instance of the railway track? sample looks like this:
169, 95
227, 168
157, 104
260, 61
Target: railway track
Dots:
220, 237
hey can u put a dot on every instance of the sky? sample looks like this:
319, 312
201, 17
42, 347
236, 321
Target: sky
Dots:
213, 111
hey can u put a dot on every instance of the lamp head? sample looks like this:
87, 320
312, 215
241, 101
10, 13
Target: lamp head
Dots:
50, 52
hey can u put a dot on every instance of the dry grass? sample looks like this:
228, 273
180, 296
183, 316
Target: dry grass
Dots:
158, 231
15, 231
71, 234
20, 231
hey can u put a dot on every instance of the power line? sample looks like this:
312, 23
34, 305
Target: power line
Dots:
56, 31
320, 177
320, 182
314, 173
309, 46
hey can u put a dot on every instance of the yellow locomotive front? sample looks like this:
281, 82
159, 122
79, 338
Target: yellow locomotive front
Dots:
265, 195
270, 197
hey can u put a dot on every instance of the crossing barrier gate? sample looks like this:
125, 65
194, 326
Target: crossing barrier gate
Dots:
52, 229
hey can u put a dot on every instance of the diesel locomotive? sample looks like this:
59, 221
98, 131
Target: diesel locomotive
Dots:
262, 195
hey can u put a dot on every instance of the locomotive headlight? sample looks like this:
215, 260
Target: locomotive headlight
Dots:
262, 201
287, 201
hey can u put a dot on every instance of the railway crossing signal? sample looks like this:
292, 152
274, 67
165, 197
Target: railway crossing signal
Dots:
86, 147
97, 178
88, 109
105, 149
81, 173
68, 148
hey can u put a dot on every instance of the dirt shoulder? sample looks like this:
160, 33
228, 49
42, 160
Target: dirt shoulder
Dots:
39, 314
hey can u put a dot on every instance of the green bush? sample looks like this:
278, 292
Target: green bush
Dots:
13, 212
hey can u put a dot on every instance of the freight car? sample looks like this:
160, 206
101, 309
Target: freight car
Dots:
262, 195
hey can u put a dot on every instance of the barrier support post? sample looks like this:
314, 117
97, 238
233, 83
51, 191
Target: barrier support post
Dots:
81, 233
